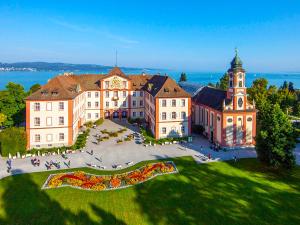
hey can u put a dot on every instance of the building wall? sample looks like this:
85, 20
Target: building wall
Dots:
173, 121
49, 123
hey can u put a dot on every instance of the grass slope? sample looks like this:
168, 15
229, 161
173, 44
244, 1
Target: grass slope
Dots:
215, 193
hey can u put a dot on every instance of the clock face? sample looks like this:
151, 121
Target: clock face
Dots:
116, 83
240, 102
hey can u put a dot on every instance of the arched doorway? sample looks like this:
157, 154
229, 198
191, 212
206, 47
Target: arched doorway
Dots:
107, 115
124, 114
116, 115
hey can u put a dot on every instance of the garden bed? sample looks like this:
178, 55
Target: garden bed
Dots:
87, 181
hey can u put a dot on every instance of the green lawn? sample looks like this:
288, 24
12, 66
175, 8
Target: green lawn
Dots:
215, 193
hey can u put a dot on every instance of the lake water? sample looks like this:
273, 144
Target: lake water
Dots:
27, 79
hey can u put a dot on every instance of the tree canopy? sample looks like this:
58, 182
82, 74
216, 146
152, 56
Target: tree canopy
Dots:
275, 140
12, 140
183, 77
224, 80
12, 103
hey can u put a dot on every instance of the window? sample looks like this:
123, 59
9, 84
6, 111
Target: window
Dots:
141, 93
141, 102
134, 94
240, 83
49, 121
163, 130
61, 120
107, 104
61, 136
61, 106
37, 121
37, 138
89, 104
141, 114
240, 102
173, 115
49, 106
115, 93
174, 103
89, 116
124, 104
134, 103
164, 116
96, 104
182, 102
96, 115
183, 129
106, 84
89, 94
107, 94
183, 115
134, 114
116, 103
37, 106
164, 103
124, 84
124, 94
96, 94
49, 137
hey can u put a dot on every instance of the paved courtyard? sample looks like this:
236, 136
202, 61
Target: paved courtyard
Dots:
109, 152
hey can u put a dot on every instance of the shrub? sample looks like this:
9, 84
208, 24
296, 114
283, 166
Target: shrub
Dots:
12, 140
119, 141
89, 124
99, 122
113, 134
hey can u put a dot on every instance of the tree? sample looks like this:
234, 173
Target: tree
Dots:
258, 92
12, 140
12, 104
291, 87
224, 82
34, 88
284, 85
275, 139
182, 77
2, 119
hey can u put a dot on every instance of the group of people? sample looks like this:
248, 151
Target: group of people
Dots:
50, 164
35, 162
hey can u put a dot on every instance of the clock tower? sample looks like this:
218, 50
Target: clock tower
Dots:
237, 90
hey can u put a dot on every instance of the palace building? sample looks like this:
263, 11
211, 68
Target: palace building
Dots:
228, 118
55, 113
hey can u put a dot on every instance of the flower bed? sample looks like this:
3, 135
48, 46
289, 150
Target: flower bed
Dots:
86, 181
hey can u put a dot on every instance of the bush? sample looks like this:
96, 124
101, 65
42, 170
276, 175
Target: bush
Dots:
89, 124
12, 140
81, 140
99, 122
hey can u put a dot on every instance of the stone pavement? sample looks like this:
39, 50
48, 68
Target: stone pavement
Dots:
109, 153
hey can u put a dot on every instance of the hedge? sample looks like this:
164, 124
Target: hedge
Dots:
12, 140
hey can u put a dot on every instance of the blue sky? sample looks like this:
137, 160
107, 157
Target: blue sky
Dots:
182, 35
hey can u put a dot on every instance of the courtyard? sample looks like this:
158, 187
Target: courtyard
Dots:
109, 154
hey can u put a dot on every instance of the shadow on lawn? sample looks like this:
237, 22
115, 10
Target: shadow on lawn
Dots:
206, 195
25, 203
